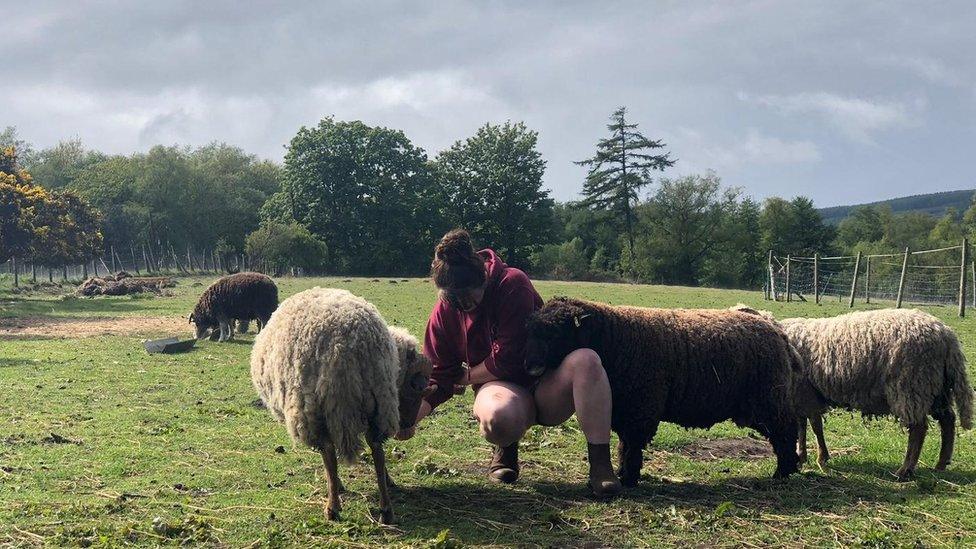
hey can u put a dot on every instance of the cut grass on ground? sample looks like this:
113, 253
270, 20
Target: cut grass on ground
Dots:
103, 444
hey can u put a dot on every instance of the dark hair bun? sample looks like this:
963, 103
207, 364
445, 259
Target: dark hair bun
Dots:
456, 264
455, 247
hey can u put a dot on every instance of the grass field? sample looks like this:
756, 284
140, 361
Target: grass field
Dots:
102, 444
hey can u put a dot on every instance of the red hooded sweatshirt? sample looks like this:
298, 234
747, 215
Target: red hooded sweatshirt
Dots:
493, 332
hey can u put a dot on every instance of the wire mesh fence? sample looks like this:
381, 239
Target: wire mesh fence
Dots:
941, 276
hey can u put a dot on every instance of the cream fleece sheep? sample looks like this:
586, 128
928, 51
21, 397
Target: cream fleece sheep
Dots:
902, 362
328, 367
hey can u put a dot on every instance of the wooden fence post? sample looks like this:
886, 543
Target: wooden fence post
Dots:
857, 265
84, 270
112, 259
867, 280
816, 278
789, 287
771, 280
962, 277
901, 281
13, 263
34, 273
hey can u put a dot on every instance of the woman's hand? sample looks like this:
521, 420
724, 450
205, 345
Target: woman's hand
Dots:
409, 432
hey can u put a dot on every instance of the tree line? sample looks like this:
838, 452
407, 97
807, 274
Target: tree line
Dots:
357, 199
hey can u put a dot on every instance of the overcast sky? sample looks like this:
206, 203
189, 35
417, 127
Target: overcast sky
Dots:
840, 101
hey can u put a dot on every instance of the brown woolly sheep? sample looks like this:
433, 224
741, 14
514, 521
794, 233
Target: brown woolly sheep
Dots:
241, 296
902, 362
691, 367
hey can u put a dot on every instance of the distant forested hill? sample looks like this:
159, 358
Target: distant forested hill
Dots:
933, 203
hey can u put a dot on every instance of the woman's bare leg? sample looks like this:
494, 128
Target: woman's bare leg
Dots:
504, 412
580, 385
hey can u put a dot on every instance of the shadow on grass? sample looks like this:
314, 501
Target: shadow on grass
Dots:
801, 492
544, 510
885, 471
487, 515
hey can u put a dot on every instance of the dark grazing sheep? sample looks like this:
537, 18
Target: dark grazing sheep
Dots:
241, 296
692, 367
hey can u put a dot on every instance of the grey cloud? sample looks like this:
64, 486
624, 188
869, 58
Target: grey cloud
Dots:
841, 99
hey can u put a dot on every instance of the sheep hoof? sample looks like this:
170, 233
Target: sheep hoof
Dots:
904, 476
386, 516
822, 463
941, 466
331, 514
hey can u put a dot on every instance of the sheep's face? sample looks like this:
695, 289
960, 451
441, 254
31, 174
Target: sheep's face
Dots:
559, 328
201, 324
415, 370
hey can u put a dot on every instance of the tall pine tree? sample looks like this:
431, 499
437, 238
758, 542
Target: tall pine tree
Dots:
620, 168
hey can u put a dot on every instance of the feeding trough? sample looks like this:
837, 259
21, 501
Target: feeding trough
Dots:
168, 345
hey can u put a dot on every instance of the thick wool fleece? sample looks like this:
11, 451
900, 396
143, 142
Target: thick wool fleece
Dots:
326, 365
692, 367
902, 362
241, 296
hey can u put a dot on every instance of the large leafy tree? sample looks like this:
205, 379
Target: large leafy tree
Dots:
685, 218
177, 196
18, 197
492, 184
864, 224
58, 167
66, 231
53, 228
280, 246
365, 191
794, 227
620, 168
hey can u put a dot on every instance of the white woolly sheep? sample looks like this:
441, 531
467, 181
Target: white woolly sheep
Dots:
329, 368
902, 362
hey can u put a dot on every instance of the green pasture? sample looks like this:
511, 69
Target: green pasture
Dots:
102, 444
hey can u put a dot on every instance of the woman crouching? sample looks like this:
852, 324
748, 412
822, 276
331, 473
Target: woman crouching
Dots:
480, 320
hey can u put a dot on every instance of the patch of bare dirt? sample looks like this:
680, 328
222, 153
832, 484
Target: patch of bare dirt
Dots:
744, 448
77, 327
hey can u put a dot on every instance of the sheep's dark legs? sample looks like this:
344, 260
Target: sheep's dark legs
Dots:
816, 422
916, 436
801, 440
630, 452
782, 435
333, 506
947, 424
383, 482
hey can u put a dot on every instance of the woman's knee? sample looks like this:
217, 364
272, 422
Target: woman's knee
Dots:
585, 364
504, 426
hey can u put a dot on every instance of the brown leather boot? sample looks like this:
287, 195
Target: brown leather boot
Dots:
504, 464
603, 481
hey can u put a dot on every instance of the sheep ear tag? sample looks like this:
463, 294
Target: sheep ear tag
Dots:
578, 320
